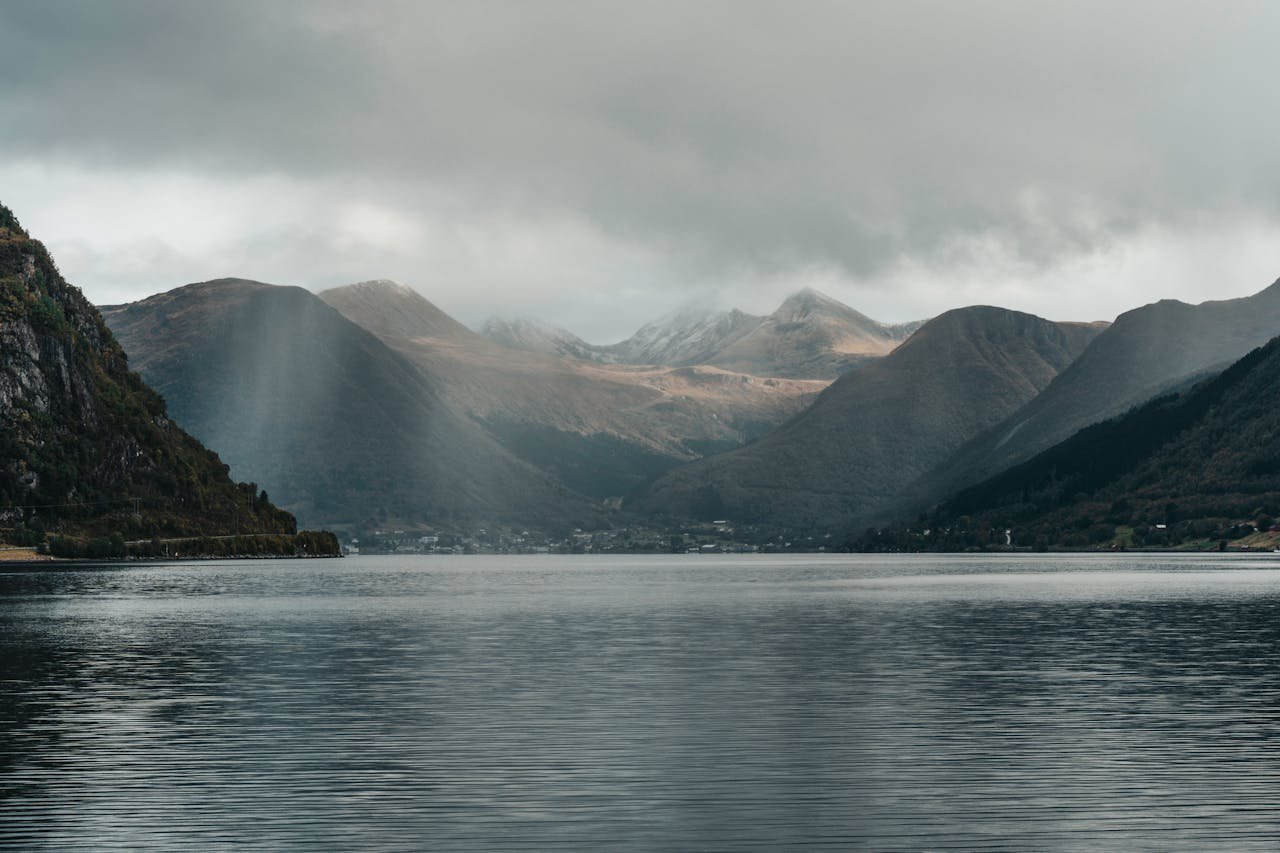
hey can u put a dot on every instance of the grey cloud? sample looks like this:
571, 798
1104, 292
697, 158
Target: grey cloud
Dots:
771, 135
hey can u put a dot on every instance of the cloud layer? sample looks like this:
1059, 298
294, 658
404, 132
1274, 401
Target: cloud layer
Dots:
595, 163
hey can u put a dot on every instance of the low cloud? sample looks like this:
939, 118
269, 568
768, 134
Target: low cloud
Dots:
590, 162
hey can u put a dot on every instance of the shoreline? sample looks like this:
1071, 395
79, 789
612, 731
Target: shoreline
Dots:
19, 557
13, 554
30, 557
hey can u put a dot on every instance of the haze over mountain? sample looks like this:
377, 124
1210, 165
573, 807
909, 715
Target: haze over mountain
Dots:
625, 156
879, 427
1184, 465
809, 336
1143, 353
690, 335
604, 429
530, 335
336, 425
813, 335
86, 448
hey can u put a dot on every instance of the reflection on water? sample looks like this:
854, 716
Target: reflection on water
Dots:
625, 703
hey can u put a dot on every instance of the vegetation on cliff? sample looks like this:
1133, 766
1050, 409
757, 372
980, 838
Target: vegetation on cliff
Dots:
87, 450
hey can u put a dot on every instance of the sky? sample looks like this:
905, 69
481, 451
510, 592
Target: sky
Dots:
596, 164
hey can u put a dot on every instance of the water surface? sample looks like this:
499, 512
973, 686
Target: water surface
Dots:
626, 703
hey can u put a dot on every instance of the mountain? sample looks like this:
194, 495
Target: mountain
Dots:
881, 426
529, 335
412, 317
1145, 352
688, 336
1192, 465
339, 427
603, 429
86, 448
809, 336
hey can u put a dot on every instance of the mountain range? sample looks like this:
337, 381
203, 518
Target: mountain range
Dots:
444, 410
338, 426
879, 427
603, 429
1145, 352
369, 401
809, 336
1188, 465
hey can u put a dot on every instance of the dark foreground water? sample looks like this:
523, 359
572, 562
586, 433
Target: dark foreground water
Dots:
699, 703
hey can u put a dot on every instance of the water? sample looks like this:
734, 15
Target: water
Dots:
700, 703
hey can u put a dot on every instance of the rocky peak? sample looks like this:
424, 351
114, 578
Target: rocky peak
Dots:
692, 334
810, 304
529, 334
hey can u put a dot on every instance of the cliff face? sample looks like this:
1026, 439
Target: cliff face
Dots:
85, 445
41, 318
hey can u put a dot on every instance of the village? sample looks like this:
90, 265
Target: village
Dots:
714, 537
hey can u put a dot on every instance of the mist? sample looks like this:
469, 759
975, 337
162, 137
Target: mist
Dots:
598, 166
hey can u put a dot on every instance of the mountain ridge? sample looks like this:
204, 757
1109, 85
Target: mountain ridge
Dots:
1145, 352
1202, 463
343, 428
532, 335
605, 429
810, 335
876, 428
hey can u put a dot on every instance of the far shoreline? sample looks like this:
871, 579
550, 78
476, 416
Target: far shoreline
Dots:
17, 558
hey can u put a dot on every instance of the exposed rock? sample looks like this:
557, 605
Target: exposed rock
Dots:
81, 437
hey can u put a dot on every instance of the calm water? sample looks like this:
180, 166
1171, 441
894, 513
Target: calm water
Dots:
700, 703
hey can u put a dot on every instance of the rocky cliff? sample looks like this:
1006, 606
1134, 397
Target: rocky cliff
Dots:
86, 448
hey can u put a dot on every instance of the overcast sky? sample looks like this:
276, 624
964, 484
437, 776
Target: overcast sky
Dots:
596, 164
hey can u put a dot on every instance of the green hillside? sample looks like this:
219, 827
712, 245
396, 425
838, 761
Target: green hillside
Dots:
1145, 353
1198, 466
87, 450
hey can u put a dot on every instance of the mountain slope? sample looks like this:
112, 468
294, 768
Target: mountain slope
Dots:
688, 336
1209, 455
603, 429
412, 316
337, 426
529, 335
810, 335
86, 448
1145, 352
879, 427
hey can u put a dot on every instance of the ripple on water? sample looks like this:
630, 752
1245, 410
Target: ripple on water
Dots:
627, 703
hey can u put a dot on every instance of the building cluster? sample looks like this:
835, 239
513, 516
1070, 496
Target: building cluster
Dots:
716, 537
